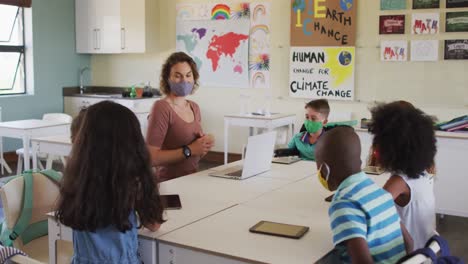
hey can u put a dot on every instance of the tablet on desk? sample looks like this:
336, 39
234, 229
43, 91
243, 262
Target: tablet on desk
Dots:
171, 201
279, 229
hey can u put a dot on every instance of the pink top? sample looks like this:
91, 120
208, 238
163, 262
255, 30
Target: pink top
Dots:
167, 130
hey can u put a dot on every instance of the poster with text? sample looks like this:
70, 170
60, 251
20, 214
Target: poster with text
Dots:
425, 4
456, 3
259, 53
424, 50
456, 49
322, 72
219, 47
392, 4
323, 22
393, 50
425, 23
456, 22
393, 24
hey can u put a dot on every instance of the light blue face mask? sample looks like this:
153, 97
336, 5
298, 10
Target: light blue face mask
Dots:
181, 88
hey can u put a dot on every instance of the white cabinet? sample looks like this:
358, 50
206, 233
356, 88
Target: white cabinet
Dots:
110, 26
141, 107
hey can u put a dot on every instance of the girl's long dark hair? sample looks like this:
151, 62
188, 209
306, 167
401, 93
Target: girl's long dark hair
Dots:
108, 174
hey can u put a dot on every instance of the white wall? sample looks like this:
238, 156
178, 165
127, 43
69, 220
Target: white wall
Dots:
439, 88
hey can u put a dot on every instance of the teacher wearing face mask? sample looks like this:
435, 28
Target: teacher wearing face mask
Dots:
175, 136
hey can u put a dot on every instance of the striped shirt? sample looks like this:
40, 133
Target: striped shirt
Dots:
360, 208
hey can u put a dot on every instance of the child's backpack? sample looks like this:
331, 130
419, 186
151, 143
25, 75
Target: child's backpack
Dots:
23, 227
443, 257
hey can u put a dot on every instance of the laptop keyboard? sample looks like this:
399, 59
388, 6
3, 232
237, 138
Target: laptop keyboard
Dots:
233, 171
237, 173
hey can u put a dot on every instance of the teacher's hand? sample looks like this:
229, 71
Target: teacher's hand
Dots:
200, 146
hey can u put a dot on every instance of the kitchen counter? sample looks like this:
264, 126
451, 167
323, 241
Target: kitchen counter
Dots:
104, 92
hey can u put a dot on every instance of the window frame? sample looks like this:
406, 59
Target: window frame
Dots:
21, 49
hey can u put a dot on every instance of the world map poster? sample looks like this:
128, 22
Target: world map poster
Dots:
219, 47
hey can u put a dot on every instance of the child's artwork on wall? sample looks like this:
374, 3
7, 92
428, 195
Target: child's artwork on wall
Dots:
392, 4
322, 72
394, 50
456, 3
424, 50
425, 4
259, 54
392, 24
425, 23
220, 49
194, 11
456, 49
456, 22
323, 23
224, 56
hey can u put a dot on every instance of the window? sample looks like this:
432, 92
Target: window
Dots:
12, 50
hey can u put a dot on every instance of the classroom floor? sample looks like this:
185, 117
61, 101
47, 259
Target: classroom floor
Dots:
454, 229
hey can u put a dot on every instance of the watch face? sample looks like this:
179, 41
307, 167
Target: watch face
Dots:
187, 152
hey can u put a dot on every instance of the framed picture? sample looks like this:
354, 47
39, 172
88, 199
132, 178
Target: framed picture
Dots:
424, 4
456, 3
393, 24
456, 22
456, 49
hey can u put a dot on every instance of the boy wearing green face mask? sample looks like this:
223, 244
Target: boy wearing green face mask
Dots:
316, 117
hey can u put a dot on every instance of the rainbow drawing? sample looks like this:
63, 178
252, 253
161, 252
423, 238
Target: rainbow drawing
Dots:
259, 9
184, 12
263, 28
220, 12
240, 11
259, 78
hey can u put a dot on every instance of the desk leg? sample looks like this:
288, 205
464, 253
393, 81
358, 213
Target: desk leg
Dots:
226, 128
54, 235
35, 149
26, 153
251, 131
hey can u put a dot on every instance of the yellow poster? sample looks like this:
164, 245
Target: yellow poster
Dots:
322, 72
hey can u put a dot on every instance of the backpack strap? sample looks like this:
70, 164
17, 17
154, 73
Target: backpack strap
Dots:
424, 251
26, 212
52, 174
22, 227
443, 244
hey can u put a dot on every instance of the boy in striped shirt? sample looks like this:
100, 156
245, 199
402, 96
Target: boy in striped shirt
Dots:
363, 217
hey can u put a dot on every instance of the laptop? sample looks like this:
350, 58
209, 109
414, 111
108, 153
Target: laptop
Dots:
257, 158
286, 160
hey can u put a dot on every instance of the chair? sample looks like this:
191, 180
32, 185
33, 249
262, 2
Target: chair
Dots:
421, 258
3, 163
45, 193
42, 156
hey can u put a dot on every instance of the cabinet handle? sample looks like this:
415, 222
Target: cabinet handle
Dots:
95, 39
99, 38
122, 38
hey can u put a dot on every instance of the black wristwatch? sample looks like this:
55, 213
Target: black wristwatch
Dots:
186, 151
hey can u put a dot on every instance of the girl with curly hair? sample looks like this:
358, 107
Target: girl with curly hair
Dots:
404, 139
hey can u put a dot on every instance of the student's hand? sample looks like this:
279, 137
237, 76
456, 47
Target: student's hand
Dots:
358, 250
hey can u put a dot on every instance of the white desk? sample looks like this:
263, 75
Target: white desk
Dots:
59, 145
451, 162
225, 237
254, 121
27, 129
202, 196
